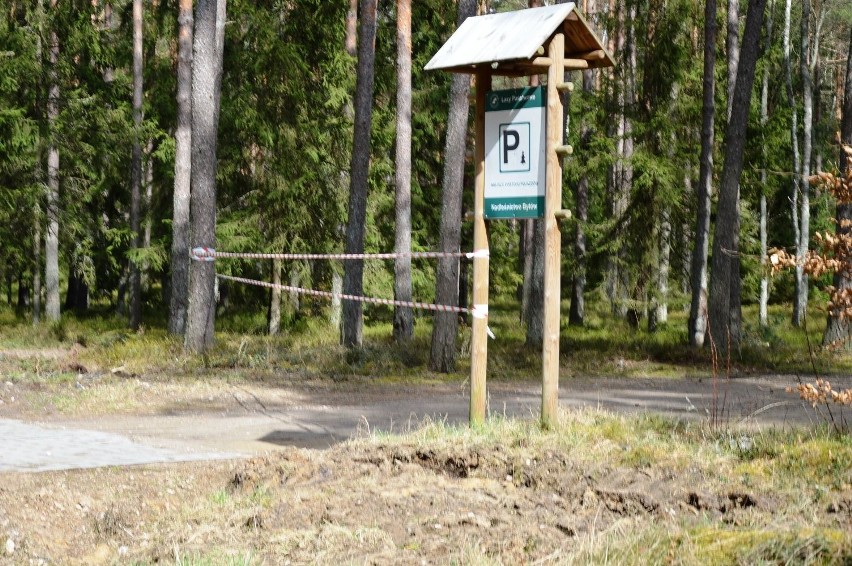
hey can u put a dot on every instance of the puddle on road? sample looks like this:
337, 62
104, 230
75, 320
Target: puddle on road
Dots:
27, 447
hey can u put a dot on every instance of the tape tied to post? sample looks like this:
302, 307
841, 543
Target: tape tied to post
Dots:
478, 254
479, 311
203, 254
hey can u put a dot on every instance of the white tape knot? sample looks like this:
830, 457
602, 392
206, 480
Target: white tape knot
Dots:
479, 311
203, 254
478, 254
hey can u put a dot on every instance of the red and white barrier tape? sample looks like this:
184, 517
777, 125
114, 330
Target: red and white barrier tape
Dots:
209, 254
478, 311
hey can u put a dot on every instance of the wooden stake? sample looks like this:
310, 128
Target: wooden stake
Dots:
479, 336
552, 240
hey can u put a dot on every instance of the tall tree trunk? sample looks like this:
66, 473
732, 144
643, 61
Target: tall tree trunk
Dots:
724, 334
353, 272
732, 43
794, 134
764, 119
800, 304
51, 242
704, 190
622, 181
208, 48
183, 159
525, 234
442, 355
136, 171
403, 317
838, 331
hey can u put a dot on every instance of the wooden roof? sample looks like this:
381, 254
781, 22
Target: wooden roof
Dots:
512, 41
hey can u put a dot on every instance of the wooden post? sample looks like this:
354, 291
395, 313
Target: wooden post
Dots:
479, 337
552, 241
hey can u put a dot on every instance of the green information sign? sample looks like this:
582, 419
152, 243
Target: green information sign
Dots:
515, 129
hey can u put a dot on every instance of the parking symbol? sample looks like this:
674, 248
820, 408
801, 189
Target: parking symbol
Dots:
514, 140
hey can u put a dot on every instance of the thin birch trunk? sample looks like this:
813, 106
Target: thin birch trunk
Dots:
800, 304
704, 189
183, 158
764, 119
794, 135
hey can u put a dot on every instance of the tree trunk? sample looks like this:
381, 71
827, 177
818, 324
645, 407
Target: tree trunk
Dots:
723, 330
206, 87
336, 307
183, 158
136, 171
353, 272
733, 53
535, 314
794, 138
577, 312
661, 301
704, 190
732, 47
838, 331
442, 357
764, 119
51, 243
525, 234
351, 40
275, 300
403, 317
526, 251
800, 305
36, 265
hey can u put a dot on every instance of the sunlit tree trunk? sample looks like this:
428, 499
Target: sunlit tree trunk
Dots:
794, 134
800, 304
353, 273
51, 243
526, 237
442, 356
723, 330
838, 331
208, 47
697, 328
403, 317
764, 119
183, 159
732, 46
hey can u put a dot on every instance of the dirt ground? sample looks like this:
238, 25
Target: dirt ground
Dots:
371, 501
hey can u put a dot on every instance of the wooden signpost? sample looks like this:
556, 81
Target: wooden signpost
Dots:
513, 44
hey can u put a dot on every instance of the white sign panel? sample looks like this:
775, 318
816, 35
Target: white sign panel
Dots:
515, 129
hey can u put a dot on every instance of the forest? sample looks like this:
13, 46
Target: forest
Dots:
132, 131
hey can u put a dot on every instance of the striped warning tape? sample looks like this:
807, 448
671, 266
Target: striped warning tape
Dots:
478, 311
209, 254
